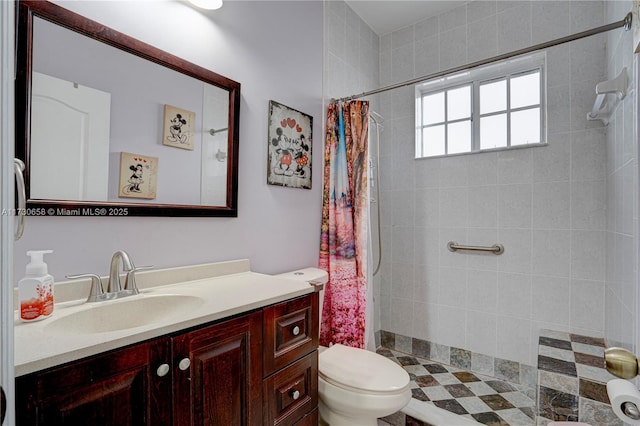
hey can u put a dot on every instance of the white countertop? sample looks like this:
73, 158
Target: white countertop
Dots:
226, 288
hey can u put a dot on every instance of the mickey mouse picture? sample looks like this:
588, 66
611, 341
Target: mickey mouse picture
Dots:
289, 147
178, 128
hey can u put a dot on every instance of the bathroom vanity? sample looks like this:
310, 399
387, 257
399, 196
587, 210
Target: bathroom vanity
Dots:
246, 356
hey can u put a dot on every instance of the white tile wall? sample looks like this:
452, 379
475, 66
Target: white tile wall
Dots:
547, 205
566, 213
621, 185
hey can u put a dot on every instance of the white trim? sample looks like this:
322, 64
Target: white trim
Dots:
7, 182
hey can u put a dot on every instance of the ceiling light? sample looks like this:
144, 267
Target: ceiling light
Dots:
207, 4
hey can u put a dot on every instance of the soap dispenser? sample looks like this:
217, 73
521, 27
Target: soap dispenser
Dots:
35, 290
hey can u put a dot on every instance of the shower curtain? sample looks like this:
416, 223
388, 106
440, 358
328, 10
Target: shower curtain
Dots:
343, 244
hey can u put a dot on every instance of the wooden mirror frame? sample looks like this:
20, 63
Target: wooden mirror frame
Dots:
26, 11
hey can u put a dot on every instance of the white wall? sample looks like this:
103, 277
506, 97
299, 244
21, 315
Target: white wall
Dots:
274, 49
622, 193
546, 205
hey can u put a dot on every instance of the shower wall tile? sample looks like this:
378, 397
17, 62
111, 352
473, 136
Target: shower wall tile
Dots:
482, 39
480, 9
482, 333
402, 243
588, 199
586, 311
552, 299
517, 254
588, 254
402, 37
514, 295
583, 67
482, 291
515, 166
403, 208
551, 252
586, 15
514, 342
402, 59
587, 152
426, 28
427, 57
551, 205
426, 284
514, 206
559, 109
428, 173
454, 207
453, 47
425, 321
454, 171
549, 20
426, 247
452, 287
402, 276
484, 171
452, 326
427, 211
483, 207
558, 68
514, 27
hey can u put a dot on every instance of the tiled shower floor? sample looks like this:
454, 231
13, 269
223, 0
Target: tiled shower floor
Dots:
484, 399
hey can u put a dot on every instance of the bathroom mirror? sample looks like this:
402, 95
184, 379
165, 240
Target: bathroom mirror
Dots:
110, 126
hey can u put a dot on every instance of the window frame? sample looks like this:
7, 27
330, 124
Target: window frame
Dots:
504, 70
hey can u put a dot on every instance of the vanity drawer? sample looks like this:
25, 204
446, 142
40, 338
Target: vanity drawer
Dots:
292, 392
290, 332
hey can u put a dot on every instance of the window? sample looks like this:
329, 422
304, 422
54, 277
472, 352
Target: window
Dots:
499, 106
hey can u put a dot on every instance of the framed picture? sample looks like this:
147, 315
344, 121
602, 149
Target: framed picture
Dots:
178, 127
289, 136
138, 176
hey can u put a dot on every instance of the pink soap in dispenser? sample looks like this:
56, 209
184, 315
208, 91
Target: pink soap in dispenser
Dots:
35, 290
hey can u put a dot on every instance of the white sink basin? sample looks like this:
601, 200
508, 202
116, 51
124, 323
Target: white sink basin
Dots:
123, 314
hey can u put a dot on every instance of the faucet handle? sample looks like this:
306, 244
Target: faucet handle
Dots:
97, 292
130, 279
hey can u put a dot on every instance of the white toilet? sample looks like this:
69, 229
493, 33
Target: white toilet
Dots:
355, 386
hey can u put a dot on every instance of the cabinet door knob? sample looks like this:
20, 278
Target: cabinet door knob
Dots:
162, 370
295, 394
184, 364
295, 331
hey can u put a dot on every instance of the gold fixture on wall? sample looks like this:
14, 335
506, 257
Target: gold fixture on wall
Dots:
620, 362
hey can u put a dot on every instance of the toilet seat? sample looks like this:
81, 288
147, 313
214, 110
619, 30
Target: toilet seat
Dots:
361, 371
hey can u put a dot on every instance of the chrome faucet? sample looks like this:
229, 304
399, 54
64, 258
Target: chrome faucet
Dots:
114, 275
114, 288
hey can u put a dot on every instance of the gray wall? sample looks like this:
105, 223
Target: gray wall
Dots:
274, 49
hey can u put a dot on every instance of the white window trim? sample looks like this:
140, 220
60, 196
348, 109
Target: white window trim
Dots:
496, 71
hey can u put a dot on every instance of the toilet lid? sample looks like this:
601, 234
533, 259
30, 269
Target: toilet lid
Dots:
361, 369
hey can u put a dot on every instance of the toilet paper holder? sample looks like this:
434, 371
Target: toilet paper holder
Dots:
631, 410
621, 363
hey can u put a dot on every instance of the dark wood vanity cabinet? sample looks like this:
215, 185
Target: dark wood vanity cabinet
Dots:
118, 388
223, 373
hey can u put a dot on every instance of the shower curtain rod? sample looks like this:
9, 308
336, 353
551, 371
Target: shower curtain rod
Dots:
626, 23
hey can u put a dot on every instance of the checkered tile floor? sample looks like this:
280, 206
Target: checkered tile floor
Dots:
484, 399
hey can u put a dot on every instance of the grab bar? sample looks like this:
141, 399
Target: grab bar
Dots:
495, 249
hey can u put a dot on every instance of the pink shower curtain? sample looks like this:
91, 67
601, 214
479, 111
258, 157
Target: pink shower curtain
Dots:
343, 243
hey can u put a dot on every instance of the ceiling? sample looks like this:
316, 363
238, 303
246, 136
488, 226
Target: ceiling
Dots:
385, 16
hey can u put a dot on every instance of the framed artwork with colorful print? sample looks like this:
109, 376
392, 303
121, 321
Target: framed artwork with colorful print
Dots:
289, 138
